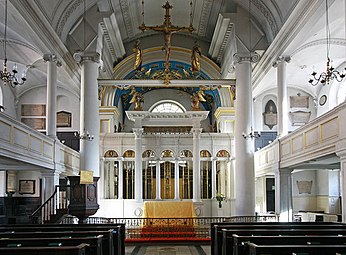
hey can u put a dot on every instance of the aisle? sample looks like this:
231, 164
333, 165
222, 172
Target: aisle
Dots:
161, 249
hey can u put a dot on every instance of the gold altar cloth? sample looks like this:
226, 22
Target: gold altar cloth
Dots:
168, 209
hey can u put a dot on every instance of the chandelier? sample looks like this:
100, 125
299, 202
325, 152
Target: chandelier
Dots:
85, 135
9, 77
331, 73
251, 135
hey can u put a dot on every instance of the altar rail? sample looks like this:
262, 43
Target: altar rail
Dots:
201, 225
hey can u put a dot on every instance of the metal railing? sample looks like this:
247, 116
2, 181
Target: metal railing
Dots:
55, 205
172, 227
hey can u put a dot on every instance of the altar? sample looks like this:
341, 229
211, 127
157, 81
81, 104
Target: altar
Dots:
169, 209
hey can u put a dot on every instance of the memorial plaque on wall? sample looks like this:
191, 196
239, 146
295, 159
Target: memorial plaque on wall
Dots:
304, 187
33, 110
63, 119
299, 118
270, 119
299, 101
35, 123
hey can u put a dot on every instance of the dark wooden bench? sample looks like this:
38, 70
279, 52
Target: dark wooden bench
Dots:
107, 237
45, 250
217, 229
118, 237
296, 249
94, 244
228, 234
241, 247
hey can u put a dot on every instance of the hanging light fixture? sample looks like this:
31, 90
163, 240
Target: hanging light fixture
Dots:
331, 73
85, 135
251, 135
9, 77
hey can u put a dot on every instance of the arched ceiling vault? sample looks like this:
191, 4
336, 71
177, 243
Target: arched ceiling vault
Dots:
222, 28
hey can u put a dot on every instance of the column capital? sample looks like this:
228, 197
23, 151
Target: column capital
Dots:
81, 56
51, 58
281, 59
196, 132
284, 171
240, 58
138, 132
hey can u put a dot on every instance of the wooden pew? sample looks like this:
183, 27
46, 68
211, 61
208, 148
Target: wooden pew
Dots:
45, 250
94, 244
291, 249
107, 237
228, 234
118, 231
217, 234
241, 247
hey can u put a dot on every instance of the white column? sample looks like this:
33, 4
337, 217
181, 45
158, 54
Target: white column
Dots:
158, 179
138, 163
282, 101
196, 165
213, 177
103, 177
49, 181
89, 110
111, 179
283, 194
52, 78
341, 153
176, 180
121, 180
244, 166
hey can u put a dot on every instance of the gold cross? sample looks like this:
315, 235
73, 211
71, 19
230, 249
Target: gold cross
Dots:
167, 29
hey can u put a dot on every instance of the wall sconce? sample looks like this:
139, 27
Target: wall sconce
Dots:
84, 136
251, 135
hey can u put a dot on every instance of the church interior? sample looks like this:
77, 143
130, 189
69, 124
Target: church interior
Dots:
172, 109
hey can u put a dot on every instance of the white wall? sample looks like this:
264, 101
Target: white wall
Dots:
65, 102
262, 99
7, 100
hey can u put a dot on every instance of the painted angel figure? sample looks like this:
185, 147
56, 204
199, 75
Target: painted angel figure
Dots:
137, 99
196, 98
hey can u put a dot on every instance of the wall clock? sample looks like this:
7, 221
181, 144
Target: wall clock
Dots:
323, 100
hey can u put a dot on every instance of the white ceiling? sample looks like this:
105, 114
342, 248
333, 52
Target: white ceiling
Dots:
295, 28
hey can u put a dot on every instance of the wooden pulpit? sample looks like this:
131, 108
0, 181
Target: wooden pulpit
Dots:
83, 198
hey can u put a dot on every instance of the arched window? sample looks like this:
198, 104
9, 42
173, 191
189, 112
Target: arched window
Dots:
167, 106
167, 154
111, 173
111, 154
185, 175
148, 174
222, 154
205, 166
222, 172
129, 174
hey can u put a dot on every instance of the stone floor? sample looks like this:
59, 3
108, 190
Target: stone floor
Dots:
167, 249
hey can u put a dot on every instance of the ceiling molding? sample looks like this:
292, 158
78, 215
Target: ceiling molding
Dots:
220, 37
204, 21
127, 17
21, 43
113, 37
67, 13
332, 41
297, 20
268, 16
48, 40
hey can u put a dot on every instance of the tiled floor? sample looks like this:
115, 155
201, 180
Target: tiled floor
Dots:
159, 249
